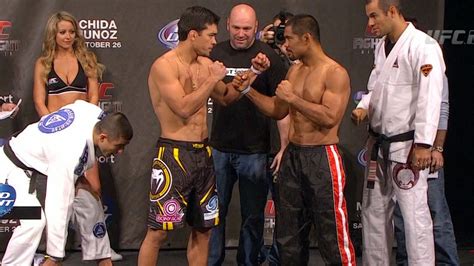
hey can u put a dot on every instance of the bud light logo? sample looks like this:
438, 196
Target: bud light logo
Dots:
7, 198
168, 35
362, 157
358, 96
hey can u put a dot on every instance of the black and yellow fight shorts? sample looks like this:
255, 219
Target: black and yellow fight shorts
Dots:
183, 186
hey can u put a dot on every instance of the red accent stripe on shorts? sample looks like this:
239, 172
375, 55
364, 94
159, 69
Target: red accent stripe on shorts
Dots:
346, 250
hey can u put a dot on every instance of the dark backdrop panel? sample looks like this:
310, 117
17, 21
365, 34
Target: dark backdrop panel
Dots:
127, 44
459, 157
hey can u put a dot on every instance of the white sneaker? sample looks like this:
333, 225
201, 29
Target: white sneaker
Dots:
38, 259
114, 256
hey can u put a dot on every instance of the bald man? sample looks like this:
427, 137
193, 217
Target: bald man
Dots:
240, 138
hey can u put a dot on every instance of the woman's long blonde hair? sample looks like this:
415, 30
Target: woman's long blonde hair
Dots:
87, 58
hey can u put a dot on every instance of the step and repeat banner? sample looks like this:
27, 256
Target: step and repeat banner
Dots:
127, 36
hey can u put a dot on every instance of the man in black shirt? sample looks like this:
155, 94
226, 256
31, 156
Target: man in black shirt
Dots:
240, 137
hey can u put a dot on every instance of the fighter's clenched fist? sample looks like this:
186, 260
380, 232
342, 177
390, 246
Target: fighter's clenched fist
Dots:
217, 70
358, 115
260, 62
284, 91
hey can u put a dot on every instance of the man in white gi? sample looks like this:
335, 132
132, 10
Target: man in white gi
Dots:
403, 107
61, 145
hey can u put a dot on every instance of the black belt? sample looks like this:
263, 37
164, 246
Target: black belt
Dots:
383, 142
11, 155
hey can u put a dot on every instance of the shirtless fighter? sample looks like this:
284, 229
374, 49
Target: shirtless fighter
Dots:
183, 186
311, 179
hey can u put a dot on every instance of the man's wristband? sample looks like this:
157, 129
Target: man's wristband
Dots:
245, 91
438, 149
256, 71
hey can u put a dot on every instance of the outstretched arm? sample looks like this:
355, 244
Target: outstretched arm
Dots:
163, 82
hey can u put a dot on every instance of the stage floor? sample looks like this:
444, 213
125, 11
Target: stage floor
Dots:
178, 257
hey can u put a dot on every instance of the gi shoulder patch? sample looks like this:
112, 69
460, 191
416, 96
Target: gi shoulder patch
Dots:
56, 121
426, 69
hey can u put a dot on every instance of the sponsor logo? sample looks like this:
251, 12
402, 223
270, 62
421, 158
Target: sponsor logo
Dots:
56, 121
404, 176
161, 180
455, 37
52, 81
100, 33
105, 160
7, 45
213, 204
358, 96
7, 199
232, 72
99, 230
362, 157
171, 212
366, 44
168, 35
106, 99
213, 208
8, 225
7, 99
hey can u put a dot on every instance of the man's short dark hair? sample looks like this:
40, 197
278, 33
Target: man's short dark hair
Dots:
303, 23
196, 18
284, 14
116, 125
385, 4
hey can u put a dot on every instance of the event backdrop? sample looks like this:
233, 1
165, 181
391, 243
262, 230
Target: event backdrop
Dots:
127, 37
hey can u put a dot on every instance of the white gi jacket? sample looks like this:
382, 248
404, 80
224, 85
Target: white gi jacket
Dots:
60, 146
405, 90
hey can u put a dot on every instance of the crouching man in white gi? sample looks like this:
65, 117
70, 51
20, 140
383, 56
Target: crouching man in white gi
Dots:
62, 145
403, 106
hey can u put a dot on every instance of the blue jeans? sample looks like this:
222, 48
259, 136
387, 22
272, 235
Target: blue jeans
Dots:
445, 243
250, 171
270, 253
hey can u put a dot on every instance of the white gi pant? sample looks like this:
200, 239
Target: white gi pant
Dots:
26, 237
377, 219
89, 218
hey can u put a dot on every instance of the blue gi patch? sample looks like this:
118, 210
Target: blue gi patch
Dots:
81, 166
7, 198
56, 121
99, 230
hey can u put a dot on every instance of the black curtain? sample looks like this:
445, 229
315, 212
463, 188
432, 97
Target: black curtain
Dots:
460, 142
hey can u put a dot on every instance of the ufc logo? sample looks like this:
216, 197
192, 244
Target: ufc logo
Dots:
104, 87
3, 25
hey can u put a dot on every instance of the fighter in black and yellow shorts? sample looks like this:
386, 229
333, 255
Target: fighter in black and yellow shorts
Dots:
183, 186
